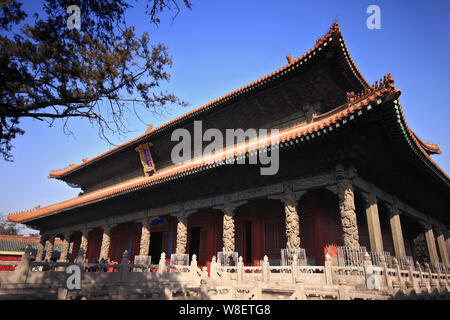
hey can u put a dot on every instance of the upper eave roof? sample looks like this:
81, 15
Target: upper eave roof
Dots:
430, 148
333, 34
367, 100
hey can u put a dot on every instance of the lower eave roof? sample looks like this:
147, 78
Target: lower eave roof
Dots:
299, 133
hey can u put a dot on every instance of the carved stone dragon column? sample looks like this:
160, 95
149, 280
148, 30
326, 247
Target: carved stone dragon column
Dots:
145, 238
49, 252
347, 208
84, 243
41, 247
228, 228
292, 219
65, 247
106, 242
181, 234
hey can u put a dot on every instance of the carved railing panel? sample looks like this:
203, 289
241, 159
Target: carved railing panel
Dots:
250, 282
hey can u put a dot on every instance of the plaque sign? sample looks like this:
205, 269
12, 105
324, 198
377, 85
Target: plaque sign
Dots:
146, 158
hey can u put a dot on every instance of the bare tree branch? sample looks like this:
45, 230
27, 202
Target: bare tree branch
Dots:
49, 72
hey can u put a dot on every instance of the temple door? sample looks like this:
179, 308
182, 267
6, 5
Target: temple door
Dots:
274, 236
239, 243
76, 246
203, 246
94, 244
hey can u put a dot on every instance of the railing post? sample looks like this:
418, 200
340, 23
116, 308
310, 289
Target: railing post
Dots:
124, 268
62, 294
266, 270
203, 287
194, 260
294, 268
168, 293
439, 286
213, 269
367, 266
258, 290
411, 284
422, 283
430, 277
443, 283
162, 263
342, 290
301, 295
194, 268
397, 284
22, 270
240, 270
204, 273
328, 270
386, 281
447, 269
80, 259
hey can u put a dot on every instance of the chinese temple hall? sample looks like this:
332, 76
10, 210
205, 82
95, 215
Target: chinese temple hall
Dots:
351, 174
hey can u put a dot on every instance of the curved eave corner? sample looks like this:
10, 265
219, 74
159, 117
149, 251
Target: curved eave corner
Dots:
417, 146
430, 148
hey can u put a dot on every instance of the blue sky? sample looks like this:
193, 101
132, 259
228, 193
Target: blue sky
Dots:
221, 45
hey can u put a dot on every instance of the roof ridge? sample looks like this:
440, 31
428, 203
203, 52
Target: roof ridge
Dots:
386, 82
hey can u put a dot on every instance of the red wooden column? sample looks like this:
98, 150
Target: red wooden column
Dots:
136, 235
164, 228
188, 241
320, 226
273, 224
94, 244
169, 227
386, 233
172, 229
123, 237
207, 222
211, 237
318, 230
256, 215
219, 231
75, 246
